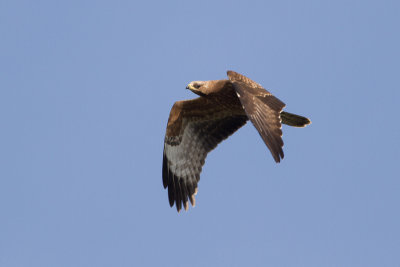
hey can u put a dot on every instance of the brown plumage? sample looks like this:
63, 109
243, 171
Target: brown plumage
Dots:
197, 126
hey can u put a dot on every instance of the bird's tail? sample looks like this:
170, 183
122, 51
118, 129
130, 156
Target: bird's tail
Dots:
294, 120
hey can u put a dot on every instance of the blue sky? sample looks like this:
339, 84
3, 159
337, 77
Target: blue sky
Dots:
85, 92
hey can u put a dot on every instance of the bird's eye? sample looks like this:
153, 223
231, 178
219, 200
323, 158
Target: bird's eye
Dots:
196, 85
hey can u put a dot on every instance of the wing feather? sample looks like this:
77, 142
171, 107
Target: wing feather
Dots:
195, 127
263, 110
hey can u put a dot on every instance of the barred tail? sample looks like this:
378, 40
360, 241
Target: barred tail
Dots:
294, 120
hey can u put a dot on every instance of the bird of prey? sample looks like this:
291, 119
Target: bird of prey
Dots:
197, 126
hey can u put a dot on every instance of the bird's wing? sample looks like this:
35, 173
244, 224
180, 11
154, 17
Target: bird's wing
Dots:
263, 109
195, 127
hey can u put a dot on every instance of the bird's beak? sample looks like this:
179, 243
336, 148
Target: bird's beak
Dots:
189, 86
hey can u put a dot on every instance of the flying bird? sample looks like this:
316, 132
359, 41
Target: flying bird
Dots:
197, 126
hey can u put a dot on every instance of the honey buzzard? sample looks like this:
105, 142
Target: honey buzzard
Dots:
197, 126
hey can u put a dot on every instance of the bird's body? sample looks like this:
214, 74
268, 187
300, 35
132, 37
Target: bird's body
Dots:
197, 126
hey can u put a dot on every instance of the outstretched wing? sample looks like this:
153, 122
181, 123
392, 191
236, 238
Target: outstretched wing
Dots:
263, 109
195, 127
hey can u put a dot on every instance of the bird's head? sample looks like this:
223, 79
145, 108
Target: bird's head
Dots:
198, 87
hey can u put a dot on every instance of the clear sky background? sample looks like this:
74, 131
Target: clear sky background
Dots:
85, 92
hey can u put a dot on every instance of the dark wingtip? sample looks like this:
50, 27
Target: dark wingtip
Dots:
277, 158
171, 198
281, 156
165, 172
